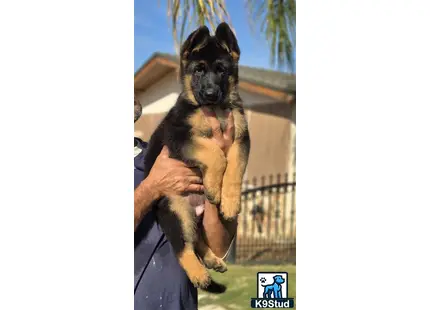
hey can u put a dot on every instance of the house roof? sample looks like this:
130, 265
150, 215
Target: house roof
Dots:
275, 84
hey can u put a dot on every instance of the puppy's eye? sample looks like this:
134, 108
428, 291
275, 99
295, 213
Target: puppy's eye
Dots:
199, 70
220, 69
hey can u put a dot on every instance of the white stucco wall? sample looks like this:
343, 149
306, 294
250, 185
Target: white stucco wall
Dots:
161, 96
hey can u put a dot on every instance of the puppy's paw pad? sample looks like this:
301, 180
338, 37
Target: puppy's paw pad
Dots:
220, 266
229, 217
201, 280
216, 264
230, 208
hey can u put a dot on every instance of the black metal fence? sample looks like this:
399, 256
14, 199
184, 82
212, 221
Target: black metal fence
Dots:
267, 224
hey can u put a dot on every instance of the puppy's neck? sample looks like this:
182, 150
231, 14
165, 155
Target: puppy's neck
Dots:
219, 112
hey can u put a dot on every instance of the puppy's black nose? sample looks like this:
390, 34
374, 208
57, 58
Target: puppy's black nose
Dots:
210, 92
210, 95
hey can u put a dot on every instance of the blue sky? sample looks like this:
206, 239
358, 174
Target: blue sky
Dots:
152, 33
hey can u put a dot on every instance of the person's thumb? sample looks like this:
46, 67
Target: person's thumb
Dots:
164, 151
229, 131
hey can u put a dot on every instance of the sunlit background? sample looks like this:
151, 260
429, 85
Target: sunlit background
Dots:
154, 31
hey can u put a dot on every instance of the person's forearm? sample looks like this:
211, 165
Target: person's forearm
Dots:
218, 232
144, 195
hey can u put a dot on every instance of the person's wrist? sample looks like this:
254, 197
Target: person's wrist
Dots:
151, 188
213, 215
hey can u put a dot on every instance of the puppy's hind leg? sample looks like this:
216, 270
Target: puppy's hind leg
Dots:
209, 258
179, 224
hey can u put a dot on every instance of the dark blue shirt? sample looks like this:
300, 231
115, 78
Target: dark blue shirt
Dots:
159, 280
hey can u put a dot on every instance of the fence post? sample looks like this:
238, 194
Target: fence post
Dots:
284, 211
293, 206
251, 248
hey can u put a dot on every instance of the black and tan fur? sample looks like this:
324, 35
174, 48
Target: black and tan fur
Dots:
209, 75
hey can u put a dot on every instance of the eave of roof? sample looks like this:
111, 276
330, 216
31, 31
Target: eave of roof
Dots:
274, 84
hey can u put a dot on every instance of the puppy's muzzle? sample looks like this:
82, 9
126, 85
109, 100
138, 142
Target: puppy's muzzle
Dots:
210, 95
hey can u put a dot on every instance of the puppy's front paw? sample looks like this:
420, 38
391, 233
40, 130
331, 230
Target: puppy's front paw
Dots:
230, 204
215, 263
220, 266
196, 271
200, 278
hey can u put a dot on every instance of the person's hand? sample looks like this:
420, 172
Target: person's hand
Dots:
169, 176
219, 232
223, 139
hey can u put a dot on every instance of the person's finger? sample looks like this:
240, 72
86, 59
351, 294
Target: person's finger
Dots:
188, 172
164, 151
191, 165
195, 188
213, 122
195, 172
228, 114
194, 180
216, 127
229, 131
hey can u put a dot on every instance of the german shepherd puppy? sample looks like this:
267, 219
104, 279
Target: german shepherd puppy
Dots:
209, 76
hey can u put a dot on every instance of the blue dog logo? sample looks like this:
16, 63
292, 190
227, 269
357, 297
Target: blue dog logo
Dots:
275, 288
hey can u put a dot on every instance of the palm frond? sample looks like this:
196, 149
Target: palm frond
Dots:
195, 13
277, 20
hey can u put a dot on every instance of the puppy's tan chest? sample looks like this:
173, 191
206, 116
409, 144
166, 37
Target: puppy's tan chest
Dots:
200, 124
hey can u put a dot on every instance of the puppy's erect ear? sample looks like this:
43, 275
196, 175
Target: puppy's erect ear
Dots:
228, 40
195, 41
